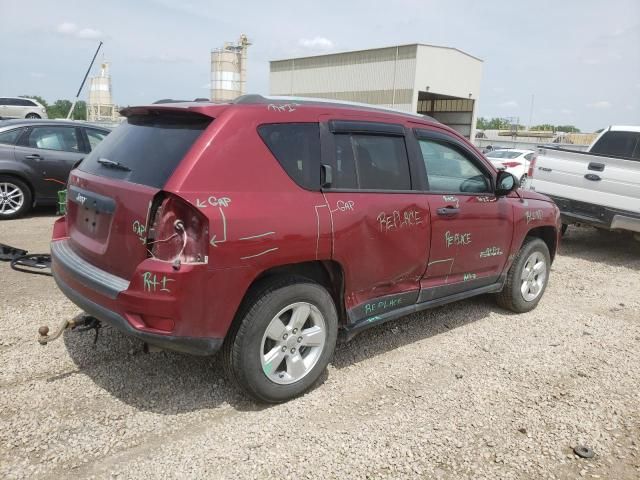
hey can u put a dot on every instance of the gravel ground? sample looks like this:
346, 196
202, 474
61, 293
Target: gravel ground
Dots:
463, 391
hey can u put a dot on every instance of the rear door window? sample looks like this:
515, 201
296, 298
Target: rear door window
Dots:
64, 139
370, 162
146, 149
618, 144
296, 146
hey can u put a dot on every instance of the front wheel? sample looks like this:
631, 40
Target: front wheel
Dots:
32, 115
283, 341
528, 277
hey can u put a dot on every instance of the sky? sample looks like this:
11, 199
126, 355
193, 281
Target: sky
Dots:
580, 60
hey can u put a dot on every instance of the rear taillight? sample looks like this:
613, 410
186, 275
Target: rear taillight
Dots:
178, 232
511, 164
532, 166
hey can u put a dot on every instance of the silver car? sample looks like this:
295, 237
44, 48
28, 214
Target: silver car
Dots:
17, 107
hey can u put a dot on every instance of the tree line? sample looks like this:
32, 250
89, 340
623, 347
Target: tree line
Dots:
504, 124
60, 108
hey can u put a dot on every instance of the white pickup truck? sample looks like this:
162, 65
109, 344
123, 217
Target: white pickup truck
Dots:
599, 187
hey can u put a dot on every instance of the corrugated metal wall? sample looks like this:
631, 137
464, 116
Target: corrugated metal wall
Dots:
383, 76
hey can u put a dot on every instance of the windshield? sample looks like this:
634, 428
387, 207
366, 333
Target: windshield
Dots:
503, 154
146, 149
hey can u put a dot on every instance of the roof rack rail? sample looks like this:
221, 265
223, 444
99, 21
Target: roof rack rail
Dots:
260, 99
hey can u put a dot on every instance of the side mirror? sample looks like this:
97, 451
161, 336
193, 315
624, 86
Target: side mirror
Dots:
505, 183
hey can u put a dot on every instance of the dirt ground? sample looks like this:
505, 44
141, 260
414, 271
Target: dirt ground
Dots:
463, 391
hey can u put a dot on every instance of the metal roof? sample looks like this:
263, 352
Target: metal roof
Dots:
379, 48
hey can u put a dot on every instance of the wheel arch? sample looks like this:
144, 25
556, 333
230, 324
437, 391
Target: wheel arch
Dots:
327, 273
548, 234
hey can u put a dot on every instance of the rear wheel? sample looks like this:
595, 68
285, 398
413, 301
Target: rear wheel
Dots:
32, 115
283, 341
15, 198
528, 277
523, 179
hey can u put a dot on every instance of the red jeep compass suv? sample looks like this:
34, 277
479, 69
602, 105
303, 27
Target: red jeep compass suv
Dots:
265, 226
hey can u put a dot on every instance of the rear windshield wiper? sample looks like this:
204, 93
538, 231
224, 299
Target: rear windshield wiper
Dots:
113, 164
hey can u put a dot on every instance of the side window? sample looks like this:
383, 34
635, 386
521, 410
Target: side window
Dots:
95, 136
371, 162
54, 138
450, 171
619, 144
9, 137
23, 102
296, 146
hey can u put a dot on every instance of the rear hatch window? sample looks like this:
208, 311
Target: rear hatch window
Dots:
146, 149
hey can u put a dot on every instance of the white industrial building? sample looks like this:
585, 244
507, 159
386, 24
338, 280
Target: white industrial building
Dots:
100, 107
442, 82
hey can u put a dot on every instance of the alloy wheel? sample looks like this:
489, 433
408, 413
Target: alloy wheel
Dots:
533, 277
293, 343
11, 198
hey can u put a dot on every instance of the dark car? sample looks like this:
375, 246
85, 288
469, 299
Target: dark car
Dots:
266, 226
36, 157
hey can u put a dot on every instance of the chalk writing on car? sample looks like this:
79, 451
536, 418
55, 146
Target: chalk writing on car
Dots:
395, 220
152, 282
457, 238
533, 215
491, 252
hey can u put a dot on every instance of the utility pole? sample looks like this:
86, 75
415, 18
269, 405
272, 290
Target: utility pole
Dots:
75, 100
531, 111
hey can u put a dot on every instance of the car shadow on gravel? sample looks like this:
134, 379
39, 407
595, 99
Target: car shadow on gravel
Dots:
171, 383
616, 249
162, 382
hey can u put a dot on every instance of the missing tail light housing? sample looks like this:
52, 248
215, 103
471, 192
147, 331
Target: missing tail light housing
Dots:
178, 231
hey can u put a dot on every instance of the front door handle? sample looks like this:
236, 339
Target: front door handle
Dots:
448, 211
35, 156
598, 167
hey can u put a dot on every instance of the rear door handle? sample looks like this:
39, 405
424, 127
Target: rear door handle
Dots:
593, 177
35, 156
598, 167
448, 211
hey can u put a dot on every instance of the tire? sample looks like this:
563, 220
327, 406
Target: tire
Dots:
15, 197
32, 115
267, 359
523, 179
512, 297
564, 228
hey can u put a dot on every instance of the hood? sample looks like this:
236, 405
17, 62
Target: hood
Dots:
531, 195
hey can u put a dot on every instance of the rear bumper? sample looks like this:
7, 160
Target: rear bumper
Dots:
190, 345
123, 305
573, 211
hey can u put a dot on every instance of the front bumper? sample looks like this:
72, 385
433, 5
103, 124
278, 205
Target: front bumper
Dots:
99, 294
573, 211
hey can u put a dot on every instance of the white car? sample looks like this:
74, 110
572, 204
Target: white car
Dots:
19, 107
514, 161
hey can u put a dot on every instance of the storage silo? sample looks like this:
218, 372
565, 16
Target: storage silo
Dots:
229, 70
100, 106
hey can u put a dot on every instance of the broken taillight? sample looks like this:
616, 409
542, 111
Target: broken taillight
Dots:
178, 232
